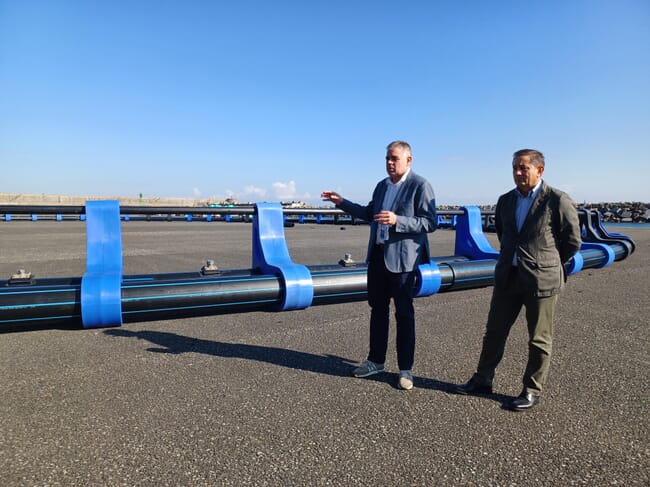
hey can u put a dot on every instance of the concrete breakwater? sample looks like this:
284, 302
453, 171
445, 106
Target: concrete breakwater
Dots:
629, 212
80, 200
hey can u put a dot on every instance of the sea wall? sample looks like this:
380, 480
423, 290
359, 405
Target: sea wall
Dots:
57, 199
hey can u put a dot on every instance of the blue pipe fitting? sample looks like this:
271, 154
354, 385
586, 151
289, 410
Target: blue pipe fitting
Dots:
428, 280
575, 264
271, 255
470, 239
101, 293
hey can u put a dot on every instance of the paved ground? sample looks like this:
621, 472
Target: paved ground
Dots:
267, 398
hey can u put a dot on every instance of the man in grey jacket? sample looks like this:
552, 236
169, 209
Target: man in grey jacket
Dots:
401, 213
538, 231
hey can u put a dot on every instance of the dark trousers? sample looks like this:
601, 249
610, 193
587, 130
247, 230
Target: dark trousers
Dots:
382, 286
504, 309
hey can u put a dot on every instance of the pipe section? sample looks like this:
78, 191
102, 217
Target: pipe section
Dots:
58, 301
274, 283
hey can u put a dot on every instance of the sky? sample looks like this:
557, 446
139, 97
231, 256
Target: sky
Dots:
280, 100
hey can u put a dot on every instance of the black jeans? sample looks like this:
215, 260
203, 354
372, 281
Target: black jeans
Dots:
382, 286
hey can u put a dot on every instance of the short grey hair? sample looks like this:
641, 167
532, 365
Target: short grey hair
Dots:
536, 157
401, 145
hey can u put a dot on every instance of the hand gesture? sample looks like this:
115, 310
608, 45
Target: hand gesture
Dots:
331, 196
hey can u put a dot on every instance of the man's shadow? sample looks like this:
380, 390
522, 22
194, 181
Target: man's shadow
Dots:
321, 364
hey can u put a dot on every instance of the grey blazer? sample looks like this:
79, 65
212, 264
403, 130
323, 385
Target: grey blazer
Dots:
415, 207
550, 236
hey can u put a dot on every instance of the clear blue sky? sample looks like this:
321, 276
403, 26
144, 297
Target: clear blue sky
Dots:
279, 100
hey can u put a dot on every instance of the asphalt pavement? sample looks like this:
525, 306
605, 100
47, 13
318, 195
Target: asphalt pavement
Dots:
267, 398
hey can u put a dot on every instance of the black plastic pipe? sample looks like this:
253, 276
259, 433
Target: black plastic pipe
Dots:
55, 301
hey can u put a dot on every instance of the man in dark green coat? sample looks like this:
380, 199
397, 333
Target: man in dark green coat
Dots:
538, 231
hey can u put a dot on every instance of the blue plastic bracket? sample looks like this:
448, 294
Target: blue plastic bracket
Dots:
101, 292
575, 264
594, 231
429, 280
271, 255
470, 239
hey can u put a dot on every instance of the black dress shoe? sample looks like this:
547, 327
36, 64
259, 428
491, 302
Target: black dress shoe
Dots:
524, 402
472, 387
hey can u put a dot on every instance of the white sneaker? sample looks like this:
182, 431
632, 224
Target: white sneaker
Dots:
405, 380
368, 368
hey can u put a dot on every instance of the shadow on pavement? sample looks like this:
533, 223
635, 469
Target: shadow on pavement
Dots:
323, 364
177, 344
438, 385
